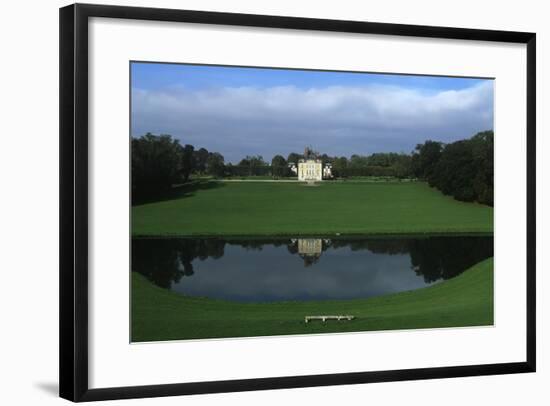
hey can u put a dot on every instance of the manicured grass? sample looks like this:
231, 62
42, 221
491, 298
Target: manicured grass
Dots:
256, 208
158, 314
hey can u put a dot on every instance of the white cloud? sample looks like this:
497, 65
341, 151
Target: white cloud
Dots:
336, 120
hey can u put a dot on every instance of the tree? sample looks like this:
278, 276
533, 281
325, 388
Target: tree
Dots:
259, 166
455, 171
187, 161
358, 161
402, 167
294, 157
279, 166
383, 159
340, 166
462, 169
200, 157
156, 164
326, 159
428, 154
483, 146
255, 165
215, 164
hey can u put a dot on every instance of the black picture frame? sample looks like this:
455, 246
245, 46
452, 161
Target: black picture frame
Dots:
73, 281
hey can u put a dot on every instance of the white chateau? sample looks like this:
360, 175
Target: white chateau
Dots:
310, 169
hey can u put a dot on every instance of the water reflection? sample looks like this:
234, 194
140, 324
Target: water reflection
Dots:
267, 269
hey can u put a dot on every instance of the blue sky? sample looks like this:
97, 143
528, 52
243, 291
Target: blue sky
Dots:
250, 111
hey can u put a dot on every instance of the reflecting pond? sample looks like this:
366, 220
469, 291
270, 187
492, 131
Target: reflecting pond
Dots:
290, 269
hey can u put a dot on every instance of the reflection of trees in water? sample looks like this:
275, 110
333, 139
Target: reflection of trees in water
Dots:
444, 258
256, 244
158, 260
310, 260
292, 247
432, 257
166, 261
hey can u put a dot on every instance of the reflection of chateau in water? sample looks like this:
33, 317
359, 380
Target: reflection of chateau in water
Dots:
310, 246
310, 249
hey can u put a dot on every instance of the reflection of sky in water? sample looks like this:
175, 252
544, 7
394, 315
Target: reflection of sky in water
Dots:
265, 269
273, 274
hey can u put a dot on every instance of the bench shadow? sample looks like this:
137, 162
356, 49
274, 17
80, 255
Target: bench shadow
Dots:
179, 191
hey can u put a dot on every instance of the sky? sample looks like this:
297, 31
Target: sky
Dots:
258, 111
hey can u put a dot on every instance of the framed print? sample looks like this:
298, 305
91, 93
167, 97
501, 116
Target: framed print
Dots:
257, 202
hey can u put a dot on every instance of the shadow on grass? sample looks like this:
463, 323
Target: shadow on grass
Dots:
179, 191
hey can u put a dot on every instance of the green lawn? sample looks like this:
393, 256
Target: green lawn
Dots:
158, 314
270, 208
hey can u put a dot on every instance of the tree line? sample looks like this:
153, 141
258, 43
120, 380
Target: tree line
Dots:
462, 169
159, 162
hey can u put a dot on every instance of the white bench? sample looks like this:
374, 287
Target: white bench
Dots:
325, 318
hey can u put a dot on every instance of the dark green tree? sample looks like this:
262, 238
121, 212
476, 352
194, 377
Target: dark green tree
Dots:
254, 165
462, 169
340, 166
358, 161
483, 147
455, 171
279, 166
326, 159
294, 157
187, 161
156, 164
402, 166
200, 160
428, 155
215, 164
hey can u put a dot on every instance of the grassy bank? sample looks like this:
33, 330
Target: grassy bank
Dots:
255, 208
158, 314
